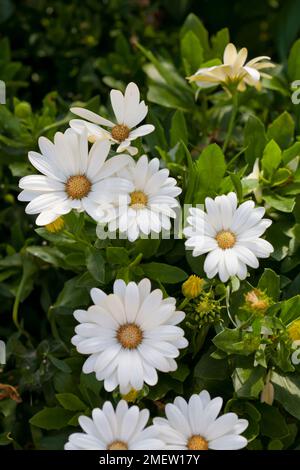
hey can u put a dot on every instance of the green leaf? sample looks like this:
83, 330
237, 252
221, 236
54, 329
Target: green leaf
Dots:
237, 183
5, 439
210, 169
282, 130
191, 52
210, 368
168, 73
49, 254
51, 418
234, 341
287, 392
270, 284
255, 139
248, 382
290, 153
164, 273
281, 176
283, 204
219, 42
73, 295
178, 129
294, 61
20, 169
290, 310
272, 422
117, 255
181, 373
196, 263
245, 410
275, 444
69, 401
59, 364
96, 265
194, 24
148, 247
164, 95
271, 158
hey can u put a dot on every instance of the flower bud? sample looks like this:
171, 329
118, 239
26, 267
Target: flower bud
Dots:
131, 396
257, 301
56, 226
267, 394
23, 110
192, 287
294, 330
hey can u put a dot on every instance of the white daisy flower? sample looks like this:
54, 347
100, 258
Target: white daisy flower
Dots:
129, 112
72, 178
230, 236
120, 429
194, 425
234, 70
149, 204
129, 334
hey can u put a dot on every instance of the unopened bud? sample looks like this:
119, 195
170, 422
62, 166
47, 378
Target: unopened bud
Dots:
192, 287
267, 394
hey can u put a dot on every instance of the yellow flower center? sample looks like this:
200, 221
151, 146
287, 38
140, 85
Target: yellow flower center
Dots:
225, 239
294, 330
78, 186
138, 200
192, 287
120, 132
197, 442
117, 445
56, 226
129, 335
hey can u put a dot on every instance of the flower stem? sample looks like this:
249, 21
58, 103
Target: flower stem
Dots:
183, 303
136, 261
232, 120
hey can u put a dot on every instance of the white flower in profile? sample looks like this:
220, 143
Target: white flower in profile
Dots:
229, 234
72, 178
194, 425
129, 112
121, 429
129, 335
149, 205
234, 71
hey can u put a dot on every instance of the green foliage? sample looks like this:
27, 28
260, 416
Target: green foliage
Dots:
44, 276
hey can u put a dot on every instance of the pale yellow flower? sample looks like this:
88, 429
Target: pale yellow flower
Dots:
234, 72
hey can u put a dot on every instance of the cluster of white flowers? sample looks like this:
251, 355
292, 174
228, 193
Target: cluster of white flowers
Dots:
132, 333
134, 197
192, 425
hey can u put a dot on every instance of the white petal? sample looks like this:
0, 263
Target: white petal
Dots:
142, 130
92, 117
117, 102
